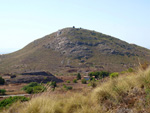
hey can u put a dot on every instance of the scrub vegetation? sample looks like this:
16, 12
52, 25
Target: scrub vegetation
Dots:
126, 93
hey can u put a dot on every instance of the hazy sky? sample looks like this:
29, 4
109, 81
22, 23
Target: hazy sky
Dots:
22, 21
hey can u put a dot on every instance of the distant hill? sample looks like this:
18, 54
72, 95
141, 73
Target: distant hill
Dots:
72, 50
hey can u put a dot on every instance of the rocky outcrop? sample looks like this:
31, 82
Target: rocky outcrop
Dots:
69, 48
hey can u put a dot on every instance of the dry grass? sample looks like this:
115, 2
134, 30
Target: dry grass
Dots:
67, 103
116, 88
111, 92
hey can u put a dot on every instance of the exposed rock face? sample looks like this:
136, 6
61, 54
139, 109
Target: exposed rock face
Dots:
69, 48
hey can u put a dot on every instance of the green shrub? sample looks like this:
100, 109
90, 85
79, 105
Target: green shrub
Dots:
2, 81
29, 90
2, 91
83, 81
64, 86
104, 74
114, 75
92, 84
68, 81
53, 84
38, 89
32, 84
9, 101
67, 87
123, 72
130, 70
89, 84
74, 80
34, 87
78, 76
98, 74
147, 91
93, 79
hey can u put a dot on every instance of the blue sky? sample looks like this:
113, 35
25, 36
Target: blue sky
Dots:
22, 21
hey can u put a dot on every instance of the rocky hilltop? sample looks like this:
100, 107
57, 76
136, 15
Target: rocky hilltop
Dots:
74, 49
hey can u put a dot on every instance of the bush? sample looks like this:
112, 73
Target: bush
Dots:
83, 81
114, 75
2, 91
123, 72
32, 84
9, 101
104, 74
78, 76
93, 84
2, 81
74, 80
68, 81
92, 79
130, 70
53, 84
34, 87
29, 90
38, 89
67, 87
64, 86
98, 74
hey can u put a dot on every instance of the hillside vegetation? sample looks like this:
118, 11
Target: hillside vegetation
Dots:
128, 93
74, 49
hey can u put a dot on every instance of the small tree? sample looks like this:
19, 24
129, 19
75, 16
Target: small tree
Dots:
68, 81
114, 75
83, 81
78, 76
2, 91
74, 80
130, 70
92, 84
99, 74
2, 81
67, 87
53, 84
29, 90
34, 87
5, 103
103, 74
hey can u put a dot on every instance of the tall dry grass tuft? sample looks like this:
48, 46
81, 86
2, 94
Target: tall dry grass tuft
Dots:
115, 88
69, 103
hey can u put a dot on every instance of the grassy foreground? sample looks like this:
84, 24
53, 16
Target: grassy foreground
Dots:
127, 93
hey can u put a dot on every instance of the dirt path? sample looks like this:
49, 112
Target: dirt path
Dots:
4, 96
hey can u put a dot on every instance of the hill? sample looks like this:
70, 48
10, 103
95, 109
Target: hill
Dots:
72, 50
